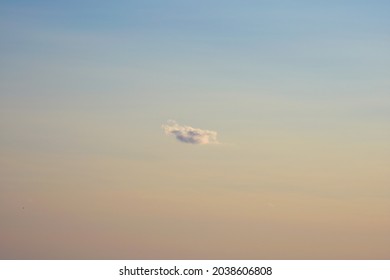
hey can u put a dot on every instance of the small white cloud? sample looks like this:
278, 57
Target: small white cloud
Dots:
188, 134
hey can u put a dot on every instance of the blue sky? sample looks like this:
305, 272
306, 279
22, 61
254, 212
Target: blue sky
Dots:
300, 48
230, 60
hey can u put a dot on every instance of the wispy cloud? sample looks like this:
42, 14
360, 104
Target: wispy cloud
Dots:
188, 134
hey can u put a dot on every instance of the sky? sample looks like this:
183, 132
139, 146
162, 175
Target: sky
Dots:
195, 129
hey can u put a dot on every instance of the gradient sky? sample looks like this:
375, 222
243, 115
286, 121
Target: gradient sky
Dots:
298, 92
